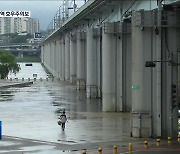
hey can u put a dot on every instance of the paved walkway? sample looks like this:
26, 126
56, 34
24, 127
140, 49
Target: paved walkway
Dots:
15, 145
37, 132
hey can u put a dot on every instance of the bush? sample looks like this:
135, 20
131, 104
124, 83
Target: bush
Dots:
7, 64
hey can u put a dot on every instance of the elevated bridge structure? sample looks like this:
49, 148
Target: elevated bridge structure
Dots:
21, 49
126, 53
18, 45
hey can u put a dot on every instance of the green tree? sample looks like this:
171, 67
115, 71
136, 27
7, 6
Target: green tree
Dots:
21, 38
11, 35
7, 64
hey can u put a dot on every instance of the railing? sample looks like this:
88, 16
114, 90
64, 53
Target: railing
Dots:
64, 12
29, 79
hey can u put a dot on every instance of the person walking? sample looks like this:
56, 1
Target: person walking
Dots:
63, 120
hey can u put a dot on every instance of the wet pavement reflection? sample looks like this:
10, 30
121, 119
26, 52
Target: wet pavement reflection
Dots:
29, 118
32, 113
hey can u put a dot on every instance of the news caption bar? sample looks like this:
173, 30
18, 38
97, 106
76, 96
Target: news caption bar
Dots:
15, 14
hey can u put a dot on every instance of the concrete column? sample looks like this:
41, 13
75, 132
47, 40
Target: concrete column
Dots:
141, 81
54, 58
169, 74
81, 61
67, 58
120, 84
63, 59
45, 55
42, 53
124, 69
99, 64
60, 58
108, 72
51, 58
73, 58
158, 96
91, 86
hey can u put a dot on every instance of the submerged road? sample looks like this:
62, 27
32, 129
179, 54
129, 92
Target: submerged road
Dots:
29, 118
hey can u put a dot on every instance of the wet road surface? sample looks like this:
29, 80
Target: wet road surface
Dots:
29, 118
32, 112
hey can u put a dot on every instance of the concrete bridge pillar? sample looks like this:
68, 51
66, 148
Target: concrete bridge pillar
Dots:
58, 58
124, 58
42, 53
43, 50
67, 57
53, 58
108, 71
153, 113
142, 51
48, 55
81, 65
73, 58
62, 59
91, 85
45, 55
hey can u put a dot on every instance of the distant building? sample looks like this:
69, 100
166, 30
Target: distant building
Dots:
33, 25
6, 25
18, 25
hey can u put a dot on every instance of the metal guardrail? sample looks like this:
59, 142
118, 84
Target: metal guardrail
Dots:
29, 79
63, 14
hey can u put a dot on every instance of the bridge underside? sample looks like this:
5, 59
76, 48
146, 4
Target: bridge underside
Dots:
104, 48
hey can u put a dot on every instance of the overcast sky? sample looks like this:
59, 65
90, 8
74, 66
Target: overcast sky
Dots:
44, 10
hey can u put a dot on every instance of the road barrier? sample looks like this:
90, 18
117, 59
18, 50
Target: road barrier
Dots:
158, 142
84, 151
145, 144
169, 140
99, 150
115, 149
130, 147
